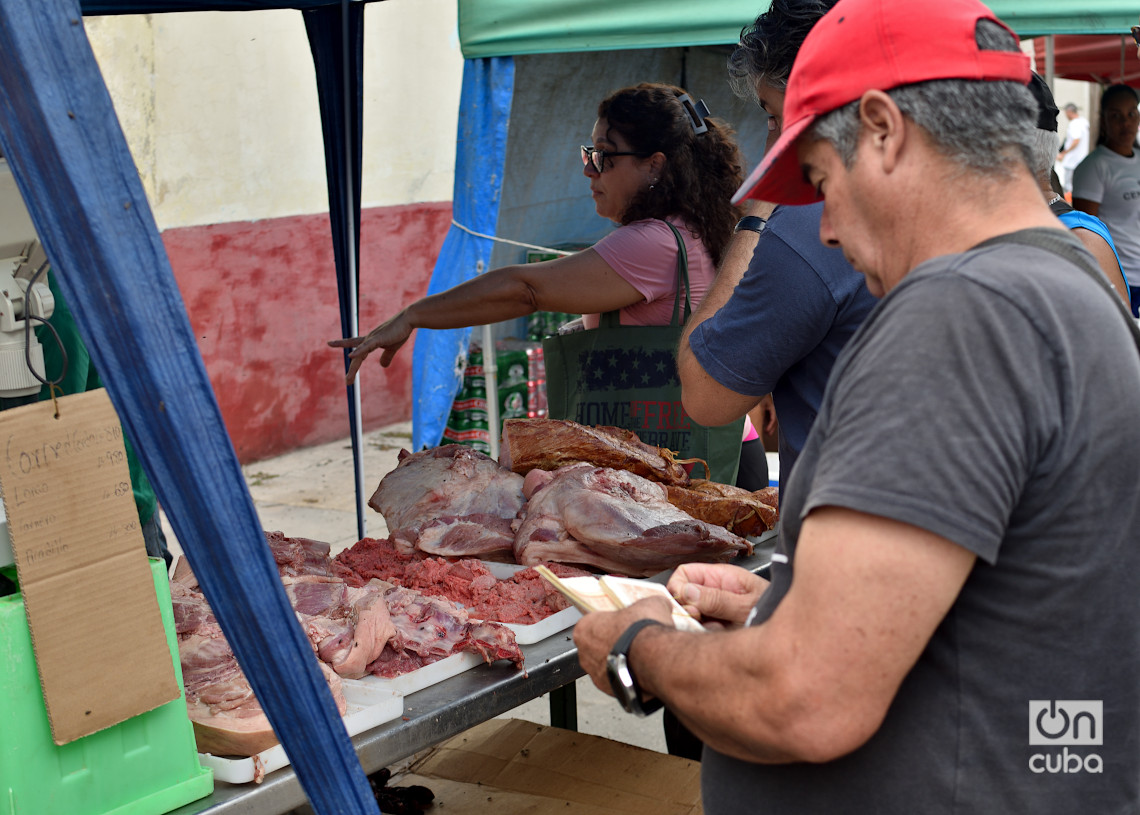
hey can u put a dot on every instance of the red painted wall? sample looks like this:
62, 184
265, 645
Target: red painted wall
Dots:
262, 300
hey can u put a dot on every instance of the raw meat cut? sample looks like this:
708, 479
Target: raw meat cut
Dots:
524, 598
345, 616
456, 486
736, 509
348, 626
548, 444
482, 536
615, 521
227, 718
298, 556
427, 629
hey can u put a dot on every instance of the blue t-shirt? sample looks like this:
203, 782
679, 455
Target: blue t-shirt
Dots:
1075, 218
785, 324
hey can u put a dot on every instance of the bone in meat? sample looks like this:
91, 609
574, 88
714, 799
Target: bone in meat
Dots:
227, 718
348, 626
482, 536
615, 521
548, 444
429, 629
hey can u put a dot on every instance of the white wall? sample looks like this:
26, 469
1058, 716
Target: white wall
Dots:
220, 109
1065, 91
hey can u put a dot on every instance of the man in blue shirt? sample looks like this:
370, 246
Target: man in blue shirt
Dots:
783, 305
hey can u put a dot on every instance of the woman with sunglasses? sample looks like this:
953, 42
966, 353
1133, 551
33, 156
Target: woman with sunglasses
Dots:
655, 157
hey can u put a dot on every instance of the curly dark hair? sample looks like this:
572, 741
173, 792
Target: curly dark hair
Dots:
702, 170
769, 46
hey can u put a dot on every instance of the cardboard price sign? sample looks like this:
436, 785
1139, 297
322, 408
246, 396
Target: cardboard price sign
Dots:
96, 628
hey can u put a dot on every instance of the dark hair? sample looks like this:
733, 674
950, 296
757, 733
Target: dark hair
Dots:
1111, 92
701, 172
769, 46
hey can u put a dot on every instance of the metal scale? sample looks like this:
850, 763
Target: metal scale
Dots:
21, 255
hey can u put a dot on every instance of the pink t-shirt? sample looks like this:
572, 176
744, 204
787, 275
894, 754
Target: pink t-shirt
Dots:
644, 253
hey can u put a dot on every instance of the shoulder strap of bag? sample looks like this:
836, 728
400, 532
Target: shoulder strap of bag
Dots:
611, 319
1042, 239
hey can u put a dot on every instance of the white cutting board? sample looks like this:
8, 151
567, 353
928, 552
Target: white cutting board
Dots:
368, 707
426, 676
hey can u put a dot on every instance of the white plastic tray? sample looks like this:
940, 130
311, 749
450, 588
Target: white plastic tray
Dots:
426, 676
533, 632
368, 707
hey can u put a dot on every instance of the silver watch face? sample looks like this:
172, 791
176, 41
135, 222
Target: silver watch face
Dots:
621, 680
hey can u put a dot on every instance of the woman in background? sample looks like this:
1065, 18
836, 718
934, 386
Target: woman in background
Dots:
1107, 183
654, 157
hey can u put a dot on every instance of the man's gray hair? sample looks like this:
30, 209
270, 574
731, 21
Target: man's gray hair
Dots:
983, 127
1071, 108
1044, 154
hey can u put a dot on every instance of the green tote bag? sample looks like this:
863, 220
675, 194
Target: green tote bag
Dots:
626, 376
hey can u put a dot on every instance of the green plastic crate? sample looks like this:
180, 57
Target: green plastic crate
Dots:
146, 765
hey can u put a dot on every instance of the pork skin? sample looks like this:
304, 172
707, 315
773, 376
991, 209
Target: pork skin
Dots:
736, 509
548, 444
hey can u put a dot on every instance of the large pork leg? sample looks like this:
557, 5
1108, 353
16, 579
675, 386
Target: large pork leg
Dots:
615, 521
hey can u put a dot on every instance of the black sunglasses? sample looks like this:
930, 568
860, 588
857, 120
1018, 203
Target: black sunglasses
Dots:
591, 155
1136, 34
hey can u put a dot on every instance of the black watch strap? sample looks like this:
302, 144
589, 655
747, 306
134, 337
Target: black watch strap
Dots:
625, 641
751, 223
621, 647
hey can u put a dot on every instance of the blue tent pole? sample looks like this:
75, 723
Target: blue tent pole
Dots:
72, 165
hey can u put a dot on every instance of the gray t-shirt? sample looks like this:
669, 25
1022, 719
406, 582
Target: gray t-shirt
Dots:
991, 398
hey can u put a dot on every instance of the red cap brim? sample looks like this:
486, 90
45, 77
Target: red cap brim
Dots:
778, 179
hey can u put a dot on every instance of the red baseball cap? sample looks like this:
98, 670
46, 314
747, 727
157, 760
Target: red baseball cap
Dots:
863, 45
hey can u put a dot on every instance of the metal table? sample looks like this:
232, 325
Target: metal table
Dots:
437, 713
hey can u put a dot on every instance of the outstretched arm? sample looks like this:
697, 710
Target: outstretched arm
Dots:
581, 283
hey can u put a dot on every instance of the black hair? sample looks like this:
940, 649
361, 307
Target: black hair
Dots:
701, 172
1111, 92
768, 46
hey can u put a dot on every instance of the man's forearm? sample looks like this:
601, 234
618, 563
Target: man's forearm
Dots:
712, 692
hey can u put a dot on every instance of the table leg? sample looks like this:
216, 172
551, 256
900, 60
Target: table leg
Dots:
564, 707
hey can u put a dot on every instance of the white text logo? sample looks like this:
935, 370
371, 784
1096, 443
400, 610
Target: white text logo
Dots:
1066, 723
1070, 722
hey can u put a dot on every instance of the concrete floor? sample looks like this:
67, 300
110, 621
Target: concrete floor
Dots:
309, 493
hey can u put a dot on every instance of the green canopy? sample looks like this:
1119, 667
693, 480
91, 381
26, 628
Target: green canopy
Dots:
493, 28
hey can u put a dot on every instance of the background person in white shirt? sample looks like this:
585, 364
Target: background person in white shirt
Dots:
1075, 148
1107, 182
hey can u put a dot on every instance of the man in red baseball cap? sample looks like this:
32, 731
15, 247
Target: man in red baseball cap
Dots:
952, 623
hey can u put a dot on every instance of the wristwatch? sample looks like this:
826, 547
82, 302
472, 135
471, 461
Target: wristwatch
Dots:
621, 675
751, 223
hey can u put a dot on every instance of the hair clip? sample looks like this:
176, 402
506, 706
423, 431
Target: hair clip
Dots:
697, 112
